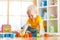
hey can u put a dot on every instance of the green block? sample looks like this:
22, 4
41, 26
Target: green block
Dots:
38, 34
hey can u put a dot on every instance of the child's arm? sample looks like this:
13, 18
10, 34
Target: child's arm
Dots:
24, 29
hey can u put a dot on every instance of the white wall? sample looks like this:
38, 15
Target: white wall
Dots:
17, 16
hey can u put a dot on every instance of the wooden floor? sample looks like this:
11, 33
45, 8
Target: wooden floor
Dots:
42, 38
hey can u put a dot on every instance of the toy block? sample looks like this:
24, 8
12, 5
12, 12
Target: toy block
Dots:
6, 28
33, 35
7, 35
1, 36
46, 35
17, 35
38, 36
30, 35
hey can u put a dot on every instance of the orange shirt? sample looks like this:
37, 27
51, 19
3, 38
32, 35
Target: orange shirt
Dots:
36, 22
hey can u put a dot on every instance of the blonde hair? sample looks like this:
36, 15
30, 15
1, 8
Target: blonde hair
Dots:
32, 7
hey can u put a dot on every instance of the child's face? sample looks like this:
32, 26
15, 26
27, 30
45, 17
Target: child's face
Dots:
31, 14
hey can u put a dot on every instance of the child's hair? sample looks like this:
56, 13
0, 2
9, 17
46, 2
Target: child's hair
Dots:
32, 7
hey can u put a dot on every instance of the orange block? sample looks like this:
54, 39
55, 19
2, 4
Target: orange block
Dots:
26, 37
46, 36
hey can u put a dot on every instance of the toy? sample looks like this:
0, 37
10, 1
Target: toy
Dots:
26, 36
38, 36
1, 35
17, 35
33, 35
44, 3
55, 28
52, 2
30, 36
46, 36
51, 28
7, 35
52, 17
13, 34
6, 28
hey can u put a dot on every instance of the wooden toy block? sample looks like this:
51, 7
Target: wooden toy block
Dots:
33, 35
6, 28
7, 35
38, 36
46, 35
1, 35
17, 35
26, 35
30, 35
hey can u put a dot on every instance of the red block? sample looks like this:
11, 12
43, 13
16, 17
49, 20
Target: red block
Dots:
17, 35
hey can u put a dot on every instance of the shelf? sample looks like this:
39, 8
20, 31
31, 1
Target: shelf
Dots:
43, 7
52, 5
53, 19
44, 19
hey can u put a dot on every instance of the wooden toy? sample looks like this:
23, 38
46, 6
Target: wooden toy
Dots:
17, 35
30, 36
6, 28
13, 34
46, 36
1, 35
51, 28
7, 35
38, 36
33, 35
26, 36
52, 16
52, 2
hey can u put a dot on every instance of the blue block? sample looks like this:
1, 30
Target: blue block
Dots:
7, 35
1, 35
33, 35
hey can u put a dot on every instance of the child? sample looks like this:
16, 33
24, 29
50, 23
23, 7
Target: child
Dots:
34, 23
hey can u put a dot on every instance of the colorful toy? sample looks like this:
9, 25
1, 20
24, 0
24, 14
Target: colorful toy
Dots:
38, 36
30, 36
7, 35
52, 17
33, 35
46, 36
17, 35
44, 3
13, 34
52, 2
51, 29
1, 35
26, 36
6, 28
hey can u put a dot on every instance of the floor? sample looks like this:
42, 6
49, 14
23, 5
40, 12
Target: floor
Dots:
41, 38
